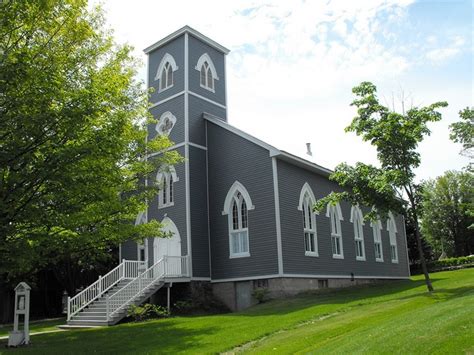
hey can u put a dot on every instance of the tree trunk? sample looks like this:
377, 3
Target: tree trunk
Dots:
418, 242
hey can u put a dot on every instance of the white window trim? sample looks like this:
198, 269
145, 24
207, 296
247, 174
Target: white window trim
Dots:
206, 58
167, 58
392, 232
237, 187
377, 225
356, 214
159, 125
336, 209
165, 173
306, 191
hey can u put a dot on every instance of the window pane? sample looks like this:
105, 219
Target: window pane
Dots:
164, 190
235, 243
171, 189
203, 76
245, 242
244, 214
210, 79
311, 239
306, 242
235, 216
163, 79
310, 222
170, 77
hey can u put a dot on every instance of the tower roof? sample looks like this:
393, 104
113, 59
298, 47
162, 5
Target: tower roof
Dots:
191, 31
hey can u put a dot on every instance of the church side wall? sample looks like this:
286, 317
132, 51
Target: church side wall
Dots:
233, 158
291, 180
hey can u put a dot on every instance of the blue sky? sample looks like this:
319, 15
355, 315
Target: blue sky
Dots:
293, 63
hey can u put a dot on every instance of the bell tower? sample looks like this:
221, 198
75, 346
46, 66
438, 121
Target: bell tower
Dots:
187, 72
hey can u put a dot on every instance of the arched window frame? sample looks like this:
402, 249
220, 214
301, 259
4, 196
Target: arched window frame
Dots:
334, 213
392, 233
166, 177
142, 248
236, 206
165, 72
310, 234
377, 232
165, 123
357, 218
207, 72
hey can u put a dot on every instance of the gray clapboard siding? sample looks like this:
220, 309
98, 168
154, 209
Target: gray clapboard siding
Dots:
233, 158
176, 49
291, 180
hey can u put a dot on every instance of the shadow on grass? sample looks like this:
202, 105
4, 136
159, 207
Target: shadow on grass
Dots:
163, 336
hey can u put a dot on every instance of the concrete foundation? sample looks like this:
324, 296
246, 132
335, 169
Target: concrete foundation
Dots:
237, 295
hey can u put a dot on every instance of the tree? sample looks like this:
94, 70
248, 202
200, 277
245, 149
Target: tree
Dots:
395, 137
448, 206
463, 131
73, 141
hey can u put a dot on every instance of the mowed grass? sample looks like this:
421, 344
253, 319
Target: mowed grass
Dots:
35, 326
397, 317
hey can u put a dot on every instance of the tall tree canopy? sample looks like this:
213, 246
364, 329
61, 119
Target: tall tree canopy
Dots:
72, 138
396, 137
463, 131
448, 213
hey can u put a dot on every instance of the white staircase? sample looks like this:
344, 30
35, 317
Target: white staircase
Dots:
107, 300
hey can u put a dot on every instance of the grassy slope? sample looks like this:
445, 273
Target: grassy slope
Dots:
394, 317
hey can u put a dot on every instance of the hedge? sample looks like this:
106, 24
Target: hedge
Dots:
445, 264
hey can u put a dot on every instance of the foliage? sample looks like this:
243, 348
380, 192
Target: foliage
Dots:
342, 321
448, 213
463, 131
184, 306
198, 300
147, 311
446, 264
72, 140
260, 294
413, 254
396, 137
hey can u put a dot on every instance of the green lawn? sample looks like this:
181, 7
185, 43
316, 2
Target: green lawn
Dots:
397, 317
35, 327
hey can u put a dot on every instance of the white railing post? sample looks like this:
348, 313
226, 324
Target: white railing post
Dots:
107, 307
68, 308
100, 286
123, 268
165, 265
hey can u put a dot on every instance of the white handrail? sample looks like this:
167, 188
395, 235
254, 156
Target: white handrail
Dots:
126, 269
168, 266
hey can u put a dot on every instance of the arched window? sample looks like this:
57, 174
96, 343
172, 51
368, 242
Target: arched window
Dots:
392, 233
307, 201
236, 206
207, 71
335, 216
165, 72
166, 178
377, 230
357, 219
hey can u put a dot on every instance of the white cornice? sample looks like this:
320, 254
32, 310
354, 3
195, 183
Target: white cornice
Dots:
191, 31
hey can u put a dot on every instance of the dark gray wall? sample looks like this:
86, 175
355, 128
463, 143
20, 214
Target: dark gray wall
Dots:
176, 107
233, 158
291, 180
199, 220
197, 131
196, 49
176, 49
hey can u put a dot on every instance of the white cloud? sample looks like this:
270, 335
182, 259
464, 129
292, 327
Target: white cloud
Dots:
293, 63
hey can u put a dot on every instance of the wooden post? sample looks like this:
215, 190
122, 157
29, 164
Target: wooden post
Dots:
168, 294
68, 308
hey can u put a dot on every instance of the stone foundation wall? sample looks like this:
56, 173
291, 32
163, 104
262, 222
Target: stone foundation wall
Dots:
237, 295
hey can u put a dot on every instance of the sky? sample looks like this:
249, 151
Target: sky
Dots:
292, 65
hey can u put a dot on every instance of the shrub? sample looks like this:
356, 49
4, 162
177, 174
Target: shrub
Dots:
445, 264
260, 294
147, 311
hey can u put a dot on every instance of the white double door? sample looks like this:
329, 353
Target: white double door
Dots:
170, 247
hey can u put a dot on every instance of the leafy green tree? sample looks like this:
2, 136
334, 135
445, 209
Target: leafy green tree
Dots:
395, 137
448, 212
463, 131
73, 141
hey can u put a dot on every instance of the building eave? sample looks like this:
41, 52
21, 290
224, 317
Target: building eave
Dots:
273, 151
191, 31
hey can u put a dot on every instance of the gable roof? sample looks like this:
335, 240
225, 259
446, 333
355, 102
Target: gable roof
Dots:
191, 31
273, 152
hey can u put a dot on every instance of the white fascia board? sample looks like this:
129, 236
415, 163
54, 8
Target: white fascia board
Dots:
219, 122
295, 160
191, 31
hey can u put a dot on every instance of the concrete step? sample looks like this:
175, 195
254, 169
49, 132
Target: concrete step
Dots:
81, 317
